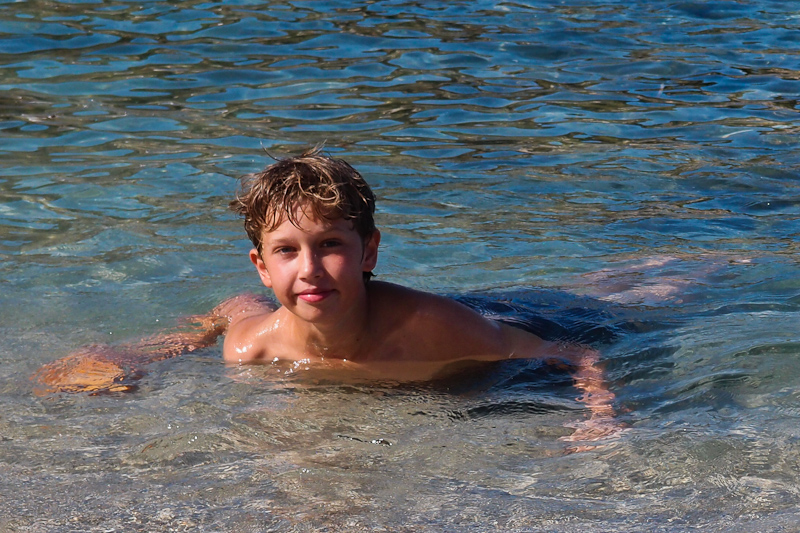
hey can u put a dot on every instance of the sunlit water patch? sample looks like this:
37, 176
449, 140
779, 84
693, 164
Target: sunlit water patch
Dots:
620, 173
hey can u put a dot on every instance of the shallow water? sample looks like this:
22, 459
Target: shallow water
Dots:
538, 152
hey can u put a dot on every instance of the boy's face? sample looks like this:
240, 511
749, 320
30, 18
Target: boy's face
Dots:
316, 269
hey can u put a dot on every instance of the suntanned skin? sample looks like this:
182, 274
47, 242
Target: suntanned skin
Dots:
328, 313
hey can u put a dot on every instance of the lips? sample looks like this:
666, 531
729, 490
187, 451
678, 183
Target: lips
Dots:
314, 295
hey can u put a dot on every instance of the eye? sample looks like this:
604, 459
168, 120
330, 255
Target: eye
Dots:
331, 243
283, 250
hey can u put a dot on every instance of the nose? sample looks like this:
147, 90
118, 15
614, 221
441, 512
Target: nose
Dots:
310, 265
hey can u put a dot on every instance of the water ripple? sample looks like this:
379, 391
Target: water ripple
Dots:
511, 144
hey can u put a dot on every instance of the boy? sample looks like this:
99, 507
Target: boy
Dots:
310, 219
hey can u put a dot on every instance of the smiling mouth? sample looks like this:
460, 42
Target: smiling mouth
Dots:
314, 296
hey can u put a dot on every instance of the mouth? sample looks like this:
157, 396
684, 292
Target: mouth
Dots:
314, 295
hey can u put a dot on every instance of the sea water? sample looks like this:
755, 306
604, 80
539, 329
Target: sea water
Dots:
627, 170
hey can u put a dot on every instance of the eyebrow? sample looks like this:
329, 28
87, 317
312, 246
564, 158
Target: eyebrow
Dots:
332, 230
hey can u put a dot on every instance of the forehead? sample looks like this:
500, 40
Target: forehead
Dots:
304, 222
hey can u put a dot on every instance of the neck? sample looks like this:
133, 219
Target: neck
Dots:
344, 338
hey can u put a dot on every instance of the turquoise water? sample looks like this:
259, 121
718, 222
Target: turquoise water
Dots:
632, 166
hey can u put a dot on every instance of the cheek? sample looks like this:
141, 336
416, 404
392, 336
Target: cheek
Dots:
341, 266
278, 273
334, 264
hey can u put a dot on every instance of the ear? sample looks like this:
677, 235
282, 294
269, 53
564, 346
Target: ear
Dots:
370, 259
255, 257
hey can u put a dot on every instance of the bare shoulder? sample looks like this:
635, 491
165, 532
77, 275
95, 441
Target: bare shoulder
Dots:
396, 301
248, 336
408, 299
433, 327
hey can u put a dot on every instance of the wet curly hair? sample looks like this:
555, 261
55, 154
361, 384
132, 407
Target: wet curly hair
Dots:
320, 186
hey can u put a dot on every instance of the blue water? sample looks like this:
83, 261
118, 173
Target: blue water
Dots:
627, 170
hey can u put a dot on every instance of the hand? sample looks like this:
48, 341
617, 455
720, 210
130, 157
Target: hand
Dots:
94, 369
597, 432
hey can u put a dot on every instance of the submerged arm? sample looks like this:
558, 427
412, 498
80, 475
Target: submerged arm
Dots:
588, 376
114, 368
590, 380
202, 330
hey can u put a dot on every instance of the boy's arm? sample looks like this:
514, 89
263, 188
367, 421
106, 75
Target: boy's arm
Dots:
587, 374
114, 368
203, 330
457, 332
